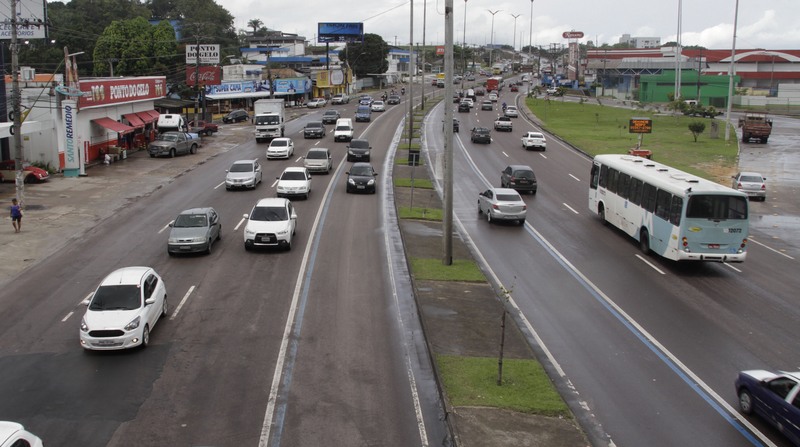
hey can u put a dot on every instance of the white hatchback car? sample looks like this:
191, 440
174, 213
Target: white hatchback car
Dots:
13, 434
124, 309
280, 148
378, 106
271, 223
294, 181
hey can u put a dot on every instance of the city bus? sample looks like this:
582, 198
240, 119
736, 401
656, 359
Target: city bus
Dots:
669, 212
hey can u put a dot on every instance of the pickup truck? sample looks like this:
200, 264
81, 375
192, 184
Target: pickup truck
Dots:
534, 140
174, 143
757, 126
203, 127
503, 123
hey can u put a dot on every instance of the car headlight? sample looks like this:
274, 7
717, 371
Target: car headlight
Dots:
371, 182
172, 240
133, 324
282, 232
249, 232
351, 181
350, 152
84, 326
198, 239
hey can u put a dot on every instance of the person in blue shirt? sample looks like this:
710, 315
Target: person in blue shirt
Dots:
16, 216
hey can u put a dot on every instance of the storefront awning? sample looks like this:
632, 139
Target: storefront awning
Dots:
153, 114
110, 124
146, 117
134, 120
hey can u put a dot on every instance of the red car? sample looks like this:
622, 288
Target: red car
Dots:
514, 88
32, 174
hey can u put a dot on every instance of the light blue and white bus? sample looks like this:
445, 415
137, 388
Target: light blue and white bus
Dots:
670, 212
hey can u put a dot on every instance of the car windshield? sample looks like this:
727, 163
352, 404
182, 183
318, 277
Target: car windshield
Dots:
242, 167
361, 170
535, 135
270, 119
523, 174
750, 178
317, 155
508, 198
312, 125
117, 297
359, 144
276, 143
269, 213
168, 137
330, 113
345, 128
190, 220
293, 175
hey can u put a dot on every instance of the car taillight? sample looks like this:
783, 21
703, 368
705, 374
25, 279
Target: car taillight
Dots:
494, 206
763, 187
739, 185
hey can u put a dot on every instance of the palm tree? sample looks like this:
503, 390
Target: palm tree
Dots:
255, 24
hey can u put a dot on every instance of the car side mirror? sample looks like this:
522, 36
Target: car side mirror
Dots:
245, 216
171, 224
88, 299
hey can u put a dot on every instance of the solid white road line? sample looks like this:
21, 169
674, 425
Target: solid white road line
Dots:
180, 306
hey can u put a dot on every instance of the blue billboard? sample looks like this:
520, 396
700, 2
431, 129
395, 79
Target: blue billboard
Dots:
340, 32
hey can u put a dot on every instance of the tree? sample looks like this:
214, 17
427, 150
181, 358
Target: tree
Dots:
255, 24
697, 127
368, 57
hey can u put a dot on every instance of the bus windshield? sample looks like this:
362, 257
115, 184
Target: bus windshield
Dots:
716, 207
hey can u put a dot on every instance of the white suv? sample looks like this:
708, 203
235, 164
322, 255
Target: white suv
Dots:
271, 223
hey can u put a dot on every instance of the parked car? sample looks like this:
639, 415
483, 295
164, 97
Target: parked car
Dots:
487, 105
358, 150
314, 129
316, 103
271, 223
552, 91
378, 106
243, 174
330, 116
318, 159
174, 143
481, 135
340, 98
236, 116
511, 112
294, 181
519, 177
30, 173
502, 204
774, 396
393, 99
203, 127
534, 140
13, 434
752, 184
361, 178
123, 309
280, 148
194, 230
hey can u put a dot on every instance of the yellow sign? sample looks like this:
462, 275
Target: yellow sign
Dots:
323, 79
640, 125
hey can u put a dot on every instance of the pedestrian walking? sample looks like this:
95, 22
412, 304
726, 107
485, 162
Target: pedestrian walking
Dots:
16, 215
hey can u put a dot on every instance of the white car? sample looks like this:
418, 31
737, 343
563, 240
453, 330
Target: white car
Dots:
243, 174
271, 223
511, 112
295, 181
13, 434
493, 97
552, 90
502, 204
468, 101
280, 148
316, 103
534, 140
124, 309
378, 106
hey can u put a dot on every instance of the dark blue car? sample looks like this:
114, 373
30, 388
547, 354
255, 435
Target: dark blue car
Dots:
775, 396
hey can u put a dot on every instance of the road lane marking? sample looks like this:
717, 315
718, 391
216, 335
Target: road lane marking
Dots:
80, 303
576, 178
750, 238
641, 258
220, 184
180, 305
570, 208
731, 267
165, 226
504, 153
236, 228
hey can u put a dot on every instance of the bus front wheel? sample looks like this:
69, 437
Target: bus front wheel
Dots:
644, 241
601, 211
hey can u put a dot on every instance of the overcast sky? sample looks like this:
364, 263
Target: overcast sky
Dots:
769, 24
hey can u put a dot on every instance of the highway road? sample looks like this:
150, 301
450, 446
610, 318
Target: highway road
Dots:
306, 347
650, 348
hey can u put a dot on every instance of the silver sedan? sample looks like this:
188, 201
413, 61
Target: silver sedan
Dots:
502, 204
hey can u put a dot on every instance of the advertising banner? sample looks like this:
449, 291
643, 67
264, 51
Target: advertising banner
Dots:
30, 20
232, 88
104, 92
72, 143
209, 75
292, 85
209, 54
340, 32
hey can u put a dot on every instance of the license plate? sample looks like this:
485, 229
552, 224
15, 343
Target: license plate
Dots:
360, 187
714, 246
185, 247
106, 342
266, 239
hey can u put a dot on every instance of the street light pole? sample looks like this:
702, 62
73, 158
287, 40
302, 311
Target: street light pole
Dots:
530, 46
514, 46
731, 74
491, 37
464, 47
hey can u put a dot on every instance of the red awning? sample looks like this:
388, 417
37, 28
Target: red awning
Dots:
110, 124
145, 117
134, 120
153, 114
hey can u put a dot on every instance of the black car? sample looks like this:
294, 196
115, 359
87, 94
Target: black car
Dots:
330, 116
361, 178
314, 129
393, 99
774, 396
363, 113
481, 135
519, 177
455, 125
358, 150
236, 116
463, 107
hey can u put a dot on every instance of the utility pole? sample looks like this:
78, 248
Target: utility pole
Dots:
447, 218
491, 37
530, 46
16, 98
514, 46
197, 79
464, 47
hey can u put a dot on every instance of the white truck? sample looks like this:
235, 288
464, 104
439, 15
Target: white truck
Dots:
269, 119
171, 122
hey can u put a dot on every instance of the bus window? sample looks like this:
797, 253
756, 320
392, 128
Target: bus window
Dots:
717, 207
649, 197
635, 194
594, 176
676, 210
612, 180
737, 207
622, 185
662, 204
603, 176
